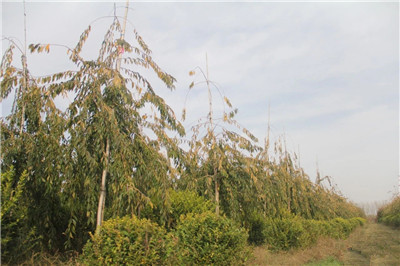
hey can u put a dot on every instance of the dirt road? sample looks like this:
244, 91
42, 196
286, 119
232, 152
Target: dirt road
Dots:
372, 244
375, 244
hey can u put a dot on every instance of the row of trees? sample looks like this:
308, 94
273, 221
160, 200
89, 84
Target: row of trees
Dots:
110, 153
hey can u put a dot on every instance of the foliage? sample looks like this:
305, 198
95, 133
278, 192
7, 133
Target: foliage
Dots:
105, 126
285, 233
207, 238
283, 188
257, 225
32, 145
17, 239
216, 165
296, 232
178, 203
127, 241
185, 202
390, 213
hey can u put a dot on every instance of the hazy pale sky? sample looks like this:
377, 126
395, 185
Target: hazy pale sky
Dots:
328, 70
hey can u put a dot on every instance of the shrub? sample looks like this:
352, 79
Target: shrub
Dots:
257, 225
285, 233
210, 239
390, 213
127, 240
361, 221
296, 232
185, 202
18, 237
313, 229
342, 228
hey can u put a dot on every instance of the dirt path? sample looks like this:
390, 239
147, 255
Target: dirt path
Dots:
372, 244
375, 244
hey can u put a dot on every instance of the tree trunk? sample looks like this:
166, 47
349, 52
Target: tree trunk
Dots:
102, 197
216, 195
23, 90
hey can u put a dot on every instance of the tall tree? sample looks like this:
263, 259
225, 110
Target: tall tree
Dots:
32, 143
110, 148
214, 157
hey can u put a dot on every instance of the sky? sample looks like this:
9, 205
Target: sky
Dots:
327, 71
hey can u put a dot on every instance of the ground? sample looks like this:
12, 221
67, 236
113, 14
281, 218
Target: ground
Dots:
372, 244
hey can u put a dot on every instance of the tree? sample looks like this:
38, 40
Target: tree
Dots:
107, 132
32, 143
216, 159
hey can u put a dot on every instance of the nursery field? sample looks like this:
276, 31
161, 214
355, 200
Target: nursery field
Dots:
114, 177
372, 244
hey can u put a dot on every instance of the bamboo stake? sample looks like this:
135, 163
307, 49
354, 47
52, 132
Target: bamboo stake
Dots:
25, 81
102, 197
210, 130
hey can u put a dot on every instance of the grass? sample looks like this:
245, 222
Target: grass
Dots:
66, 259
372, 244
376, 244
324, 249
330, 261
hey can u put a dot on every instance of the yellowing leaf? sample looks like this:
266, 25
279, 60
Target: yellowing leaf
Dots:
117, 81
48, 48
191, 85
225, 117
191, 73
227, 101
184, 114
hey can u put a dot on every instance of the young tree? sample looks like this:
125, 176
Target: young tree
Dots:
32, 143
109, 148
216, 159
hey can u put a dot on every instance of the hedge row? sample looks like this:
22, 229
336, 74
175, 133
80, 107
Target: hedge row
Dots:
296, 232
199, 239
390, 213
194, 235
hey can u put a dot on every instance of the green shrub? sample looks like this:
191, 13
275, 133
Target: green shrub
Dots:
128, 241
334, 229
296, 232
356, 221
342, 228
206, 239
313, 230
18, 237
361, 221
185, 202
286, 233
390, 213
257, 224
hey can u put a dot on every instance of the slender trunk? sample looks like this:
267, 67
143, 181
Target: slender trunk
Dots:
25, 79
21, 128
102, 197
209, 96
22, 93
210, 131
216, 193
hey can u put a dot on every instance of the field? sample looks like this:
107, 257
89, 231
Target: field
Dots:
372, 244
